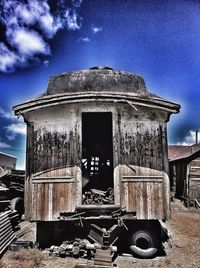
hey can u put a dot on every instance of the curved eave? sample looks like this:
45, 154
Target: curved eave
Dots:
130, 98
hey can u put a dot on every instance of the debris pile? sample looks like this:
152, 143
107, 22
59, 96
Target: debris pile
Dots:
75, 249
7, 234
12, 190
4, 202
84, 249
14, 180
98, 197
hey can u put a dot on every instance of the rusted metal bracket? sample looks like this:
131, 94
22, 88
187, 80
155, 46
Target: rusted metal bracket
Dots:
104, 237
121, 223
119, 212
65, 216
74, 217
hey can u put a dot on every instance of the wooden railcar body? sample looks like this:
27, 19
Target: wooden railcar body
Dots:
55, 144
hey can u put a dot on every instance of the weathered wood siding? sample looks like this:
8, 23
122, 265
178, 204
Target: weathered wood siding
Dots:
54, 183
53, 156
53, 192
186, 176
194, 179
145, 191
181, 180
142, 145
142, 138
54, 146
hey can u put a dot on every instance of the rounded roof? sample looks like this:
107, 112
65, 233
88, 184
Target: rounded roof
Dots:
101, 84
97, 79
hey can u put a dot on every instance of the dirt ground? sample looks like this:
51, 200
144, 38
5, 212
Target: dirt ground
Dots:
182, 251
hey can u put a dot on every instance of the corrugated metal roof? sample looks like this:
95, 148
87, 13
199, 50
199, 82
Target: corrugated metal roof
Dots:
177, 152
8, 155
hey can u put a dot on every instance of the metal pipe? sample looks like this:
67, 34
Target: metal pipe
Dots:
196, 136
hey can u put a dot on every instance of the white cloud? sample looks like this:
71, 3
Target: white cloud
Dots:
85, 39
7, 115
34, 12
28, 26
190, 138
96, 29
46, 63
71, 19
49, 25
38, 12
24, 13
77, 3
15, 129
28, 43
4, 145
8, 59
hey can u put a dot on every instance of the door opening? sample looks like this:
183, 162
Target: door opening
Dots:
97, 158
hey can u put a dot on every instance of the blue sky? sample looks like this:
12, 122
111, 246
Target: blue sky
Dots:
159, 40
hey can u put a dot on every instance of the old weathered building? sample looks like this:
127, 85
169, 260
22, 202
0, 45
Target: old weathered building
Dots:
96, 129
7, 162
184, 163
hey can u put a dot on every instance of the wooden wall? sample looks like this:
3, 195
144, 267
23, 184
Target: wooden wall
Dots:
187, 176
53, 192
194, 179
53, 164
53, 182
143, 142
145, 191
181, 180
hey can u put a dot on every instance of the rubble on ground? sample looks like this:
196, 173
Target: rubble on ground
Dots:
98, 197
78, 248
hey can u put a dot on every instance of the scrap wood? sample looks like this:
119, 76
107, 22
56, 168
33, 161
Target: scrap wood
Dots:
96, 191
197, 202
98, 197
22, 231
4, 173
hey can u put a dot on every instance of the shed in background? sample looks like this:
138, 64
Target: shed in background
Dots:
7, 162
184, 165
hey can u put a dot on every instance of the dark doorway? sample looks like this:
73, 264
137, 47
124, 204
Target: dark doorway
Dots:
97, 151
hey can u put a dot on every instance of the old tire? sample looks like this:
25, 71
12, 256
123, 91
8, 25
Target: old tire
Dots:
18, 205
144, 244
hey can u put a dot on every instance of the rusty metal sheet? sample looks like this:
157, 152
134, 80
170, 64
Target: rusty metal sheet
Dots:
6, 232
